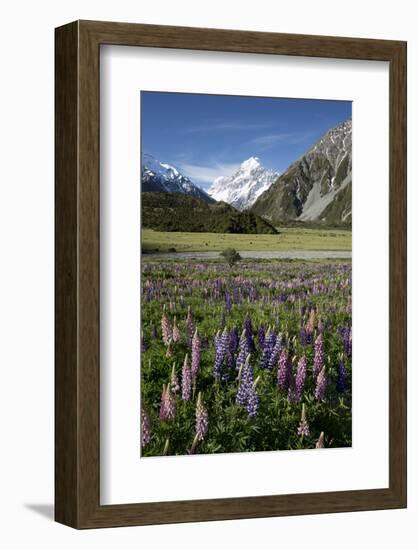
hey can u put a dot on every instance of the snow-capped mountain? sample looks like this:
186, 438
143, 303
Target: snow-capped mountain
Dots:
317, 187
243, 188
161, 177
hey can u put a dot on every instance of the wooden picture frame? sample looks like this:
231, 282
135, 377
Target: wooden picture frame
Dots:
77, 405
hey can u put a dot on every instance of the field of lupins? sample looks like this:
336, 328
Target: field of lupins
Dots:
251, 358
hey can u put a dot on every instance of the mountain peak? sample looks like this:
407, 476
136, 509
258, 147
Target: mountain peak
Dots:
243, 187
250, 164
163, 177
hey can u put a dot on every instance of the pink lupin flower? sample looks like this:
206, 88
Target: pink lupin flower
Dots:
175, 387
320, 441
201, 419
176, 335
190, 326
195, 355
145, 428
168, 353
186, 380
318, 354
303, 427
168, 407
321, 385
166, 328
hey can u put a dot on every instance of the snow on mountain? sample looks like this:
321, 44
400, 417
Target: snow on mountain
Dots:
317, 187
162, 177
243, 188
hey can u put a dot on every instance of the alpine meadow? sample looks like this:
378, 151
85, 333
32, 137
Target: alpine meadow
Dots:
246, 274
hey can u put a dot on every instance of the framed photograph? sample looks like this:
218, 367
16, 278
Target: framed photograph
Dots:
230, 274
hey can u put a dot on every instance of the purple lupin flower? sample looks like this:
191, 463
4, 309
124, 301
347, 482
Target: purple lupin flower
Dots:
201, 419
284, 370
261, 337
186, 380
305, 336
176, 335
246, 395
219, 353
145, 428
276, 350
321, 385
320, 441
190, 326
168, 407
242, 352
303, 427
175, 387
300, 378
227, 301
166, 328
269, 343
233, 340
318, 355
195, 355
347, 341
341, 377
249, 332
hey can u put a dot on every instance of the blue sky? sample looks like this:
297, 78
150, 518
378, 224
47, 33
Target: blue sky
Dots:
206, 136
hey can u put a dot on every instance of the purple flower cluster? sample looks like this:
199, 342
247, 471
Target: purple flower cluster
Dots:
284, 370
300, 378
246, 395
261, 337
247, 324
268, 347
318, 355
243, 351
347, 341
276, 350
321, 385
341, 377
223, 356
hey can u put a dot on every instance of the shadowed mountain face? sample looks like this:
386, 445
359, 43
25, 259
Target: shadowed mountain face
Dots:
317, 188
181, 212
164, 178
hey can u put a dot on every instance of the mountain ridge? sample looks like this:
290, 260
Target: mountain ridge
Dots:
162, 177
317, 187
242, 188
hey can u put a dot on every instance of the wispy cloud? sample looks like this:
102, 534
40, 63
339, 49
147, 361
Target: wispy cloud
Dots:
206, 174
228, 125
293, 138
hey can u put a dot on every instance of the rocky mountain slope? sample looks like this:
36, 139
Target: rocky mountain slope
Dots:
161, 177
243, 188
317, 187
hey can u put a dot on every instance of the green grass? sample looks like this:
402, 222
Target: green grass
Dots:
288, 239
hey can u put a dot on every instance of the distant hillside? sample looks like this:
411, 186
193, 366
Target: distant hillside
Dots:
179, 212
317, 188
